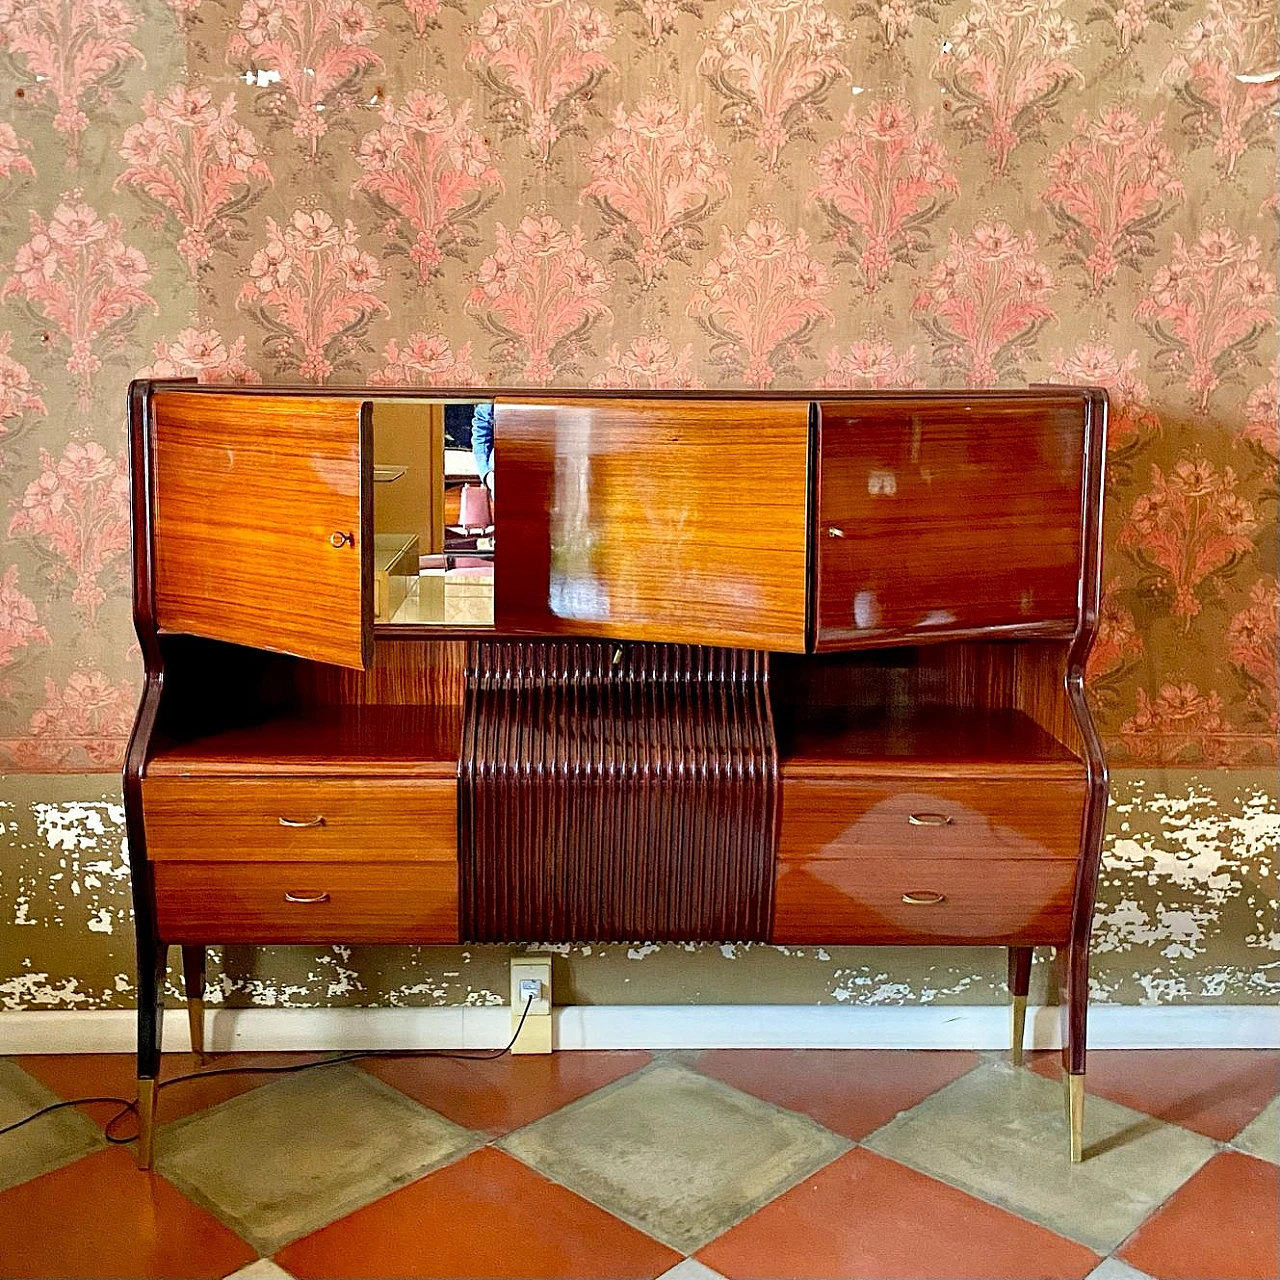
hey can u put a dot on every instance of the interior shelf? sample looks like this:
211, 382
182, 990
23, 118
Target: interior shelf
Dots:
408, 741
868, 741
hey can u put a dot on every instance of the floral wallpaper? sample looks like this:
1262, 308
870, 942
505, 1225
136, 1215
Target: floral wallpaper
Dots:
651, 193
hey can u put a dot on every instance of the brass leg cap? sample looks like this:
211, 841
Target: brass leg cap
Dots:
1075, 1115
146, 1122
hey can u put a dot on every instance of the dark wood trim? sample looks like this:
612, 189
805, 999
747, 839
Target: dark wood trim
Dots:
544, 395
1074, 999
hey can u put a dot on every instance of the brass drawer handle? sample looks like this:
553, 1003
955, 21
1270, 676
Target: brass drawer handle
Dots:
317, 821
340, 539
929, 819
306, 895
924, 898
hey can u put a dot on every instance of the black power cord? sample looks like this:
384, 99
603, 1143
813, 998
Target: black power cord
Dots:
127, 1107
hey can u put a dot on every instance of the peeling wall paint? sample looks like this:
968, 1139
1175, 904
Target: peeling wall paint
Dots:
1187, 913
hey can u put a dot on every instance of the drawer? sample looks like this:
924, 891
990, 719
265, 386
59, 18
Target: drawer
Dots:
968, 819
310, 819
928, 526
266, 902
924, 900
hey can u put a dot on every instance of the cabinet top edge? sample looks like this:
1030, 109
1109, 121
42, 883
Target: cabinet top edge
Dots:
544, 395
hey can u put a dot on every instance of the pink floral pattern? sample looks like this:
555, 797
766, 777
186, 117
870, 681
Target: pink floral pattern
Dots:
1007, 65
76, 513
1117, 645
1208, 308
655, 176
1252, 649
1179, 725
984, 303
202, 354
648, 364
1109, 188
541, 59
312, 287
870, 366
760, 300
773, 62
658, 17
539, 296
430, 174
319, 49
79, 274
426, 360
1131, 419
1234, 38
1191, 525
13, 153
881, 184
196, 161
83, 724
1262, 420
75, 53
19, 395
1126, 22
19, 623
894, 19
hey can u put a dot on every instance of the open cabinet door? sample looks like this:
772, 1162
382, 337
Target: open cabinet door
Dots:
678, 520
262, 520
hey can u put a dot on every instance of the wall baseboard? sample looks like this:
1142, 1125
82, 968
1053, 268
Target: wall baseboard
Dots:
653, 1027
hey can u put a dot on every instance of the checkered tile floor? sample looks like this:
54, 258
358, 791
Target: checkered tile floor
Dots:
686, 1165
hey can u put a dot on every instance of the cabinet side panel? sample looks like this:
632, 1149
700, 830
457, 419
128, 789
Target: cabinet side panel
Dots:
251, 493
678, 521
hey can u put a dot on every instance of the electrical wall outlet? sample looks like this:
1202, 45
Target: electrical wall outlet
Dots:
531, 986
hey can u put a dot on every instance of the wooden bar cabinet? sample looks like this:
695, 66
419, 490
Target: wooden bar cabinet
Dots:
793, 668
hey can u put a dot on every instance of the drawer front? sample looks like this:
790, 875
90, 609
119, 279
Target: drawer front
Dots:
266, 902
946, 518
924, 900
965, 819
309, 819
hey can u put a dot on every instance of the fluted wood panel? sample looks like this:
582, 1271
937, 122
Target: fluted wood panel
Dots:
616, 792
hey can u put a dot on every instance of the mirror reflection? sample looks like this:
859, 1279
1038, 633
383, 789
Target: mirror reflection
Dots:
433, 512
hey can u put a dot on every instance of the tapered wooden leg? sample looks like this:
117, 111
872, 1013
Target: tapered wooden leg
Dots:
1019, 985
152, 967
193, 969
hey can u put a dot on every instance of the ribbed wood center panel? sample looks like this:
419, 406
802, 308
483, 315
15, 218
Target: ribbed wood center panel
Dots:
616, 792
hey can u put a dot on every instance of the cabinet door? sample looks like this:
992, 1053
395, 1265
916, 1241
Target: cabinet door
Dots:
663, 520
262, 521
949, 515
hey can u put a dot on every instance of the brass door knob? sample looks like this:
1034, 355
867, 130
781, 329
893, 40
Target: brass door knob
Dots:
340, 539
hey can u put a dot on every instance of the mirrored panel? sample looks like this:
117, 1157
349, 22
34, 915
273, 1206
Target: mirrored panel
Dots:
434, 523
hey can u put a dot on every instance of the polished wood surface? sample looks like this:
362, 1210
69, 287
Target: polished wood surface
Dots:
965, 901
927, 741
346, 902
947, 516
972, 819
303, 819
404, 672
675, 521
360, 741
250, 494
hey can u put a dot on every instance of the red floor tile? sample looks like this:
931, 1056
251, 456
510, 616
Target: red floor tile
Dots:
851, 1091
505, 1093
867, 1217
487, 1216
1224, 1222
103, 1217
1213, 1091
78, 1075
